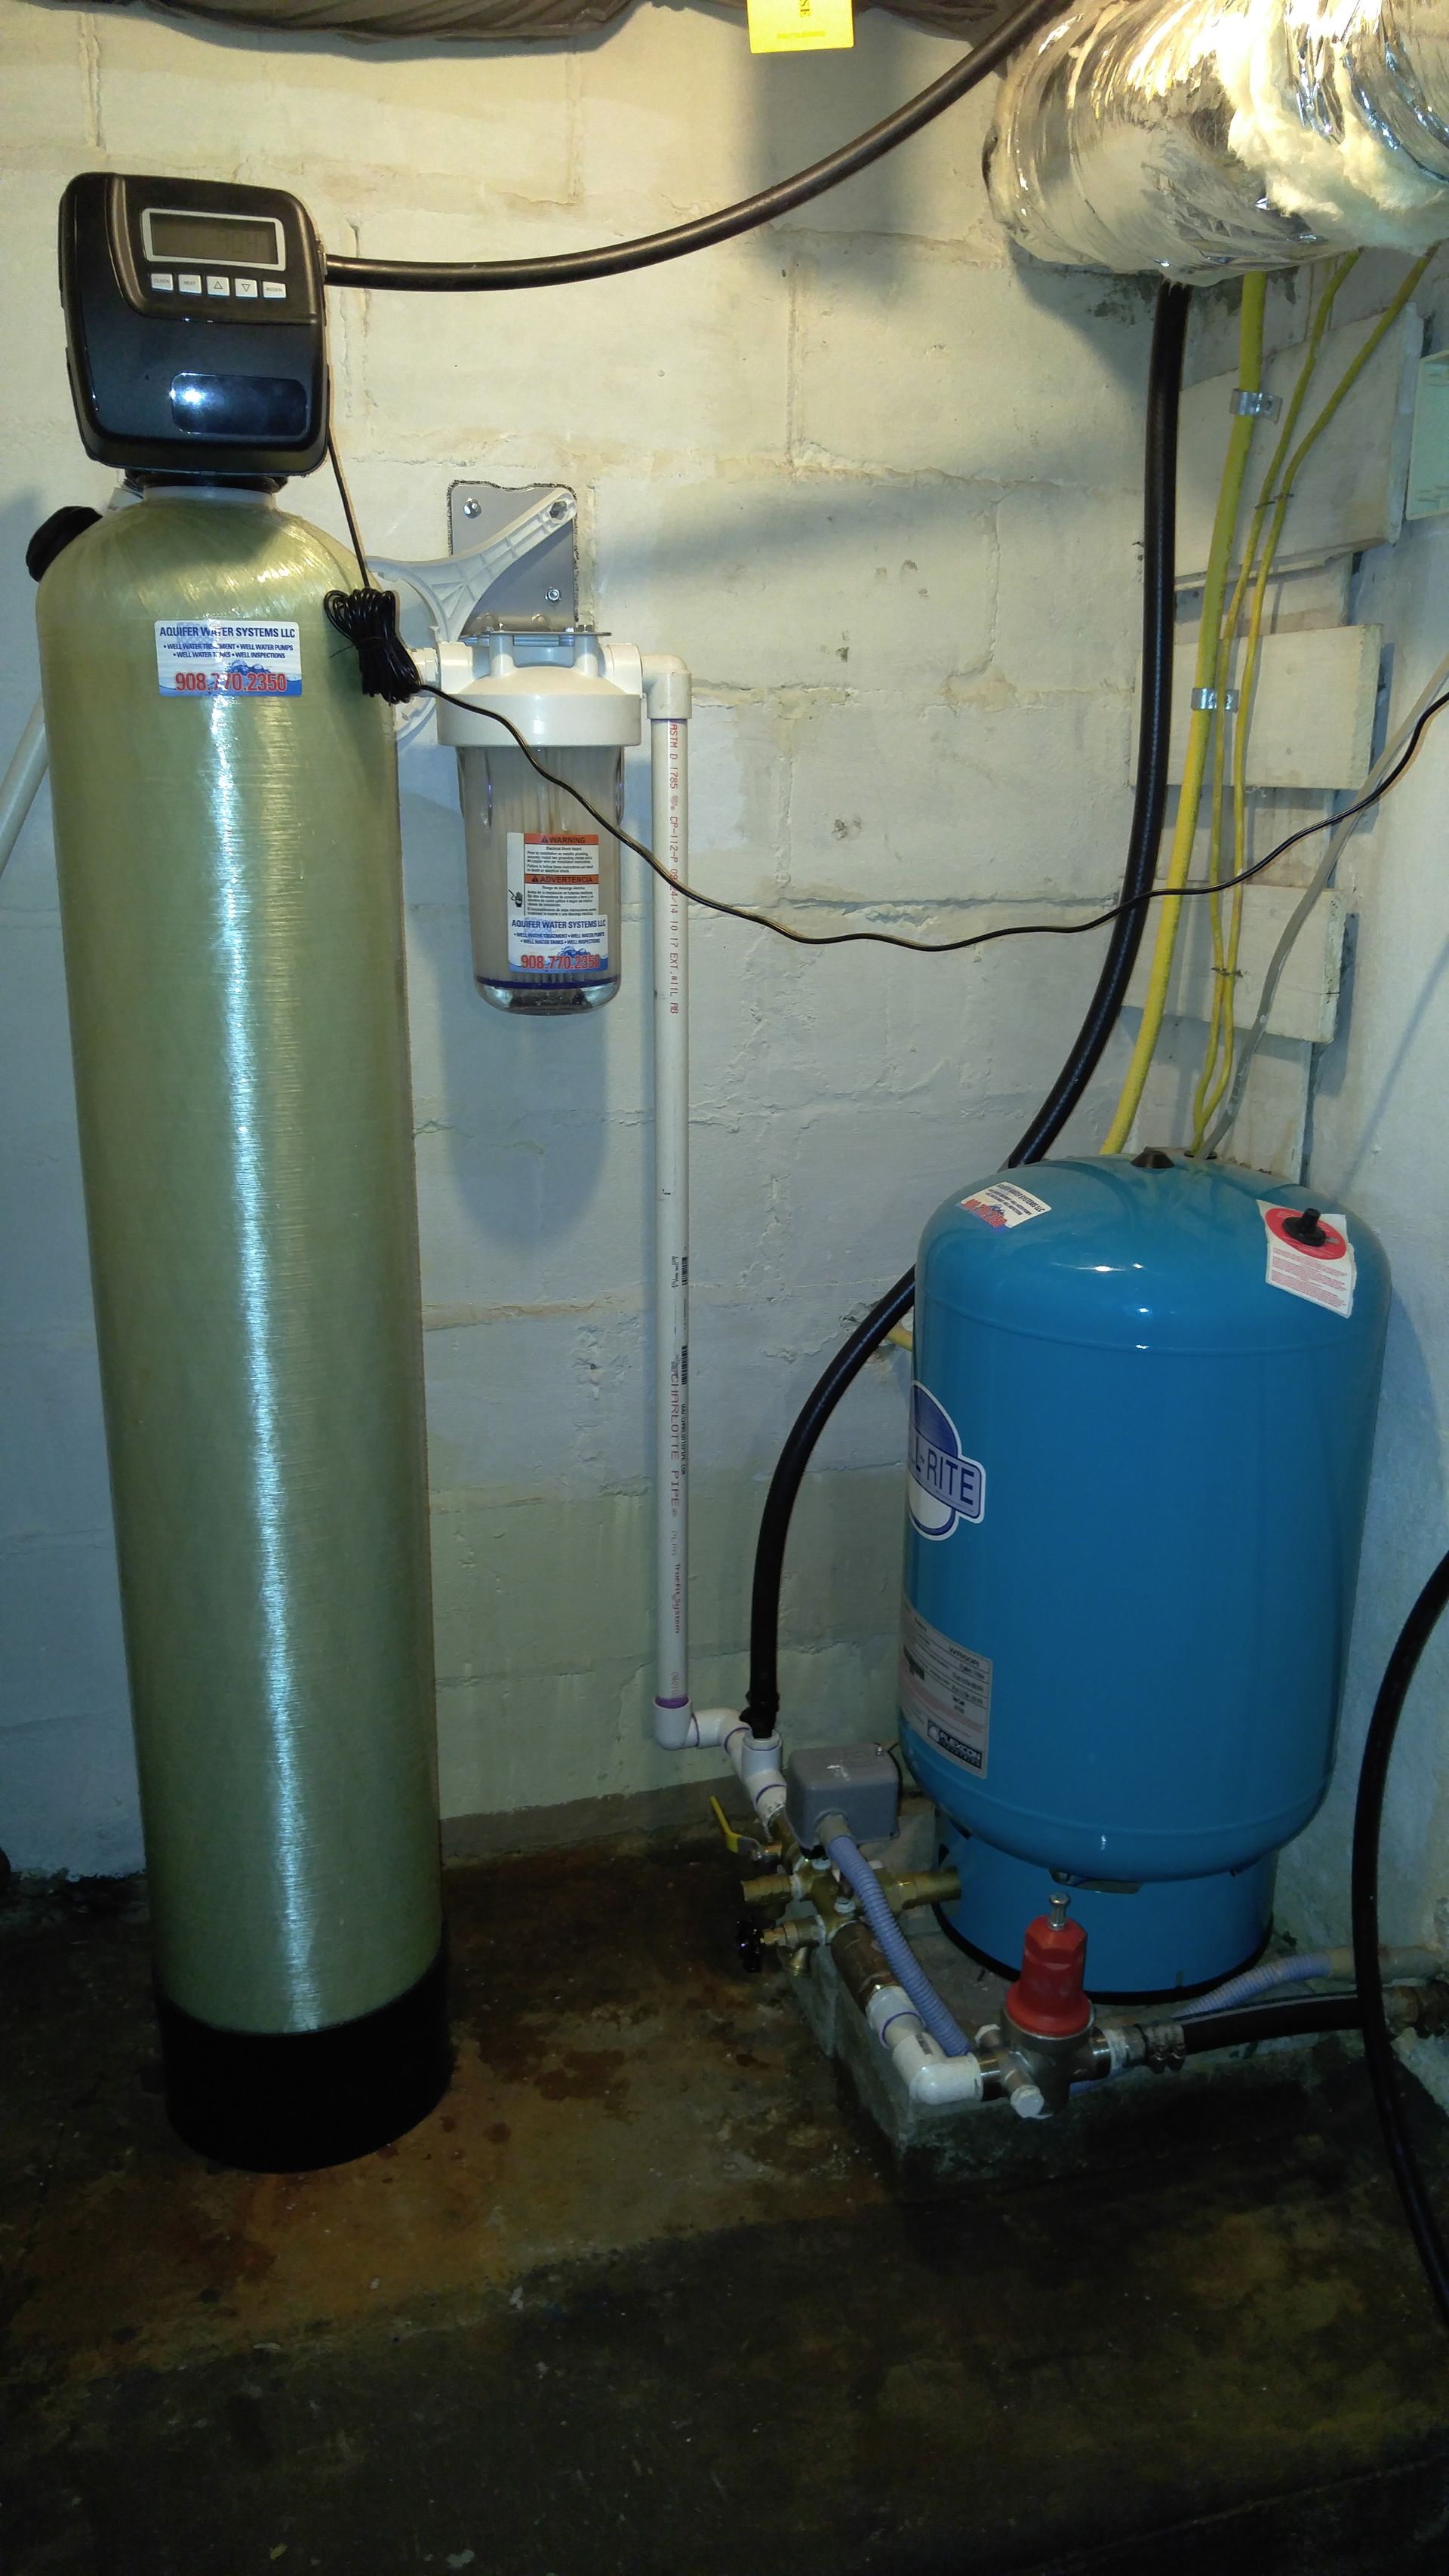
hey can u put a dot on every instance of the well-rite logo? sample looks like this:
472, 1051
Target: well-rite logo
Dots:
943, 1486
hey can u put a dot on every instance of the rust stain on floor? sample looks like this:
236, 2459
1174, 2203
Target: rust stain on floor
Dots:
644, 2297
617, 2082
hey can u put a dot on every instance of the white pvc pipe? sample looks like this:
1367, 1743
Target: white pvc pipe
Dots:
21, 780
928, 2074
667, 696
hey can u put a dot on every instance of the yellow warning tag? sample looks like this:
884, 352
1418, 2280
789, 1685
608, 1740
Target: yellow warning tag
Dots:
798, 26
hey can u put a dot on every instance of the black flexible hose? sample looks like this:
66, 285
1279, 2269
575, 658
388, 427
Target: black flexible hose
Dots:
1159, 536
1245, 2022
611, 259
1159, 523
762, 1702
1383, 2073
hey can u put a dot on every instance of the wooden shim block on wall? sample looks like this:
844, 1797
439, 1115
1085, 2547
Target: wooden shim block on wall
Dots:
1350, 489
1306, 1002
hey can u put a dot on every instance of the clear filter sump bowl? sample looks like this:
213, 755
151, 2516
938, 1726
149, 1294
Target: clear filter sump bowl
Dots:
543, 878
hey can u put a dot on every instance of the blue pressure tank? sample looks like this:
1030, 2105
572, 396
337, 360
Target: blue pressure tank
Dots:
1139, 1449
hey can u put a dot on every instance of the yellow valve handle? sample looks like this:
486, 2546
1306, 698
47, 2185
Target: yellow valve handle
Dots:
733, 1839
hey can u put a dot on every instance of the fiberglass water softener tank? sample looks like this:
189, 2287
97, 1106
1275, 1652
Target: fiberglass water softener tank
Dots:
231, 903
1139, 1453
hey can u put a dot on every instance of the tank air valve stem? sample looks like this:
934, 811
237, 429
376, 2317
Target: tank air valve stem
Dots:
1305, 1227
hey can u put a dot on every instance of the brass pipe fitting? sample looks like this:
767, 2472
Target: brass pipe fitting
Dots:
919, 1887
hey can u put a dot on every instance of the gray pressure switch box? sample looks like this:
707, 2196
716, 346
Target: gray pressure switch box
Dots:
857, 1781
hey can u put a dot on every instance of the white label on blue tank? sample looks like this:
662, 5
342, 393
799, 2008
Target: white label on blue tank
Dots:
1322, 1270
943, 1486
945, 1693
227, 657
1003, 1204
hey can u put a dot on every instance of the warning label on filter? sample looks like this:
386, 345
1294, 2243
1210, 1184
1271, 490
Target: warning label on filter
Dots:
224, 657
556, 922
1324, 1271
1003, 1204
945, 1693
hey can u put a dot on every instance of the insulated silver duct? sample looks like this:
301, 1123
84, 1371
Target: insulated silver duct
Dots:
1197, 138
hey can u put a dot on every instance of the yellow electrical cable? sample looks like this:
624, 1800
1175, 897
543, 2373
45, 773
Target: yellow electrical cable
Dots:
1225, 969
1225, 521
1227, 1023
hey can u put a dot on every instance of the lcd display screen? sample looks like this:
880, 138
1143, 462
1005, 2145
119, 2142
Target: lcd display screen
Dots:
254, 240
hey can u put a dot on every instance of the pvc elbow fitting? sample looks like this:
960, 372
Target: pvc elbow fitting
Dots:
944, 2081
675, 1725
931, 2078
666, 685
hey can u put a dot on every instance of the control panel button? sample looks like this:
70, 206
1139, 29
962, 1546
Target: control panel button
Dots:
188, 281
162, 281
273, 289
218, 285
245, 286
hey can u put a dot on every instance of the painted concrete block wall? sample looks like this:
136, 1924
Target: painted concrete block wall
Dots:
879, 485
1376, 1143
1374, 1146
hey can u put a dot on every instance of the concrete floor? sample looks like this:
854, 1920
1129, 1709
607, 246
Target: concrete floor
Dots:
647, 2297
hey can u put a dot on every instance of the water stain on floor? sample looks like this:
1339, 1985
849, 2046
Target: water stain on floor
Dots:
646, 2295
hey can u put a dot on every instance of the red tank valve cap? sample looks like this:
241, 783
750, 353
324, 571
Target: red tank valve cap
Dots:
1047, 1998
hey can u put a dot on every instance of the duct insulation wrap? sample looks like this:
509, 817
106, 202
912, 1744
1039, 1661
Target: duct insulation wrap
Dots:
1193, 139
227, 837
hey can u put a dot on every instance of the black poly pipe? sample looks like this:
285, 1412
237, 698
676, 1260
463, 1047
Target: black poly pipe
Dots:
1244, 2022
611, 259
1383, 2073
1159, 536
1159, 526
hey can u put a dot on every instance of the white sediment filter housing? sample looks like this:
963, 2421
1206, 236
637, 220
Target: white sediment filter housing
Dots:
543, 872
1197, 139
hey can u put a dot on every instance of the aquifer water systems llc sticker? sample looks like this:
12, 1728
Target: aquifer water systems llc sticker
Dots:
1323, 1272
556, 922
225, 657
945, 1692
1003, 1204
943, 1486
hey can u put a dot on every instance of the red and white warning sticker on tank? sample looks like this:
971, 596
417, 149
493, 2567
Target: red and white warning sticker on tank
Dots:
1004, 1203
1324, 1270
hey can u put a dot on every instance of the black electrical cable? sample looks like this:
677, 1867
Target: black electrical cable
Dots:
367, 618
612, 259
1159, 515
1383, 2073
